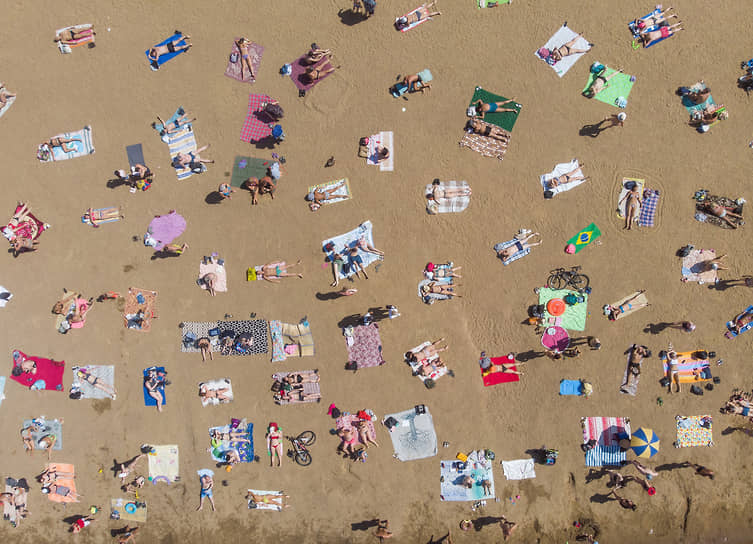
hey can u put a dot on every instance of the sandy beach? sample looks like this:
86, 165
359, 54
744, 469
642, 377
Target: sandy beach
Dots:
111, 88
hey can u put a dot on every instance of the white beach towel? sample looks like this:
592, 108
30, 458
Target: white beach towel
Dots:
561, 37
562, 168
350, 239
520, 469
106, 373
82, 146
214, 385
384, 139
265, 506
163, 464
623, 191
414, 437
218, 269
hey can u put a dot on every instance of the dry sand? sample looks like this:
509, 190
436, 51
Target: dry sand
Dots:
112, 89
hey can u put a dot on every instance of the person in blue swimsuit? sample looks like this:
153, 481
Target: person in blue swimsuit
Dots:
483, 108
615, 311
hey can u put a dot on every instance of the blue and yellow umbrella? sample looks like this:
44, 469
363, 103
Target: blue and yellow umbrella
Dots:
644, 442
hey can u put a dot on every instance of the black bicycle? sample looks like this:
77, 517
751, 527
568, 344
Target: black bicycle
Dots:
300, 450
562, 279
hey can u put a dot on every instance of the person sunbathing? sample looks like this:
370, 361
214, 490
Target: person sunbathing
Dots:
318, 196
232, 457
736, 408
127, 468
567, 177
209, 280
80, 523
153, 383
482, 108
173, 46
206, 347
428, 352
355, 263
660, 33
365, 434
440, 289
519, 245
61, 491
649, 21
207, 483
134, 485
632, 205
102, 216
179, 123
26, 366
348, 440
699, 96
191, 160
439, 192
315, 54
625, 503
312, 74
127, 534
364, 245
276, 270
477, 126
230, 436
220, 394
71, 36
741, 320
615, 311
487, 367
722, 212
441, 271
415, 83
4, 95
553, 56
51, 474
382, 153
599, 83
243, 46
62, 143
276, 499
713, 264
634, 366
428, 367
27, 436
94, 381
416, 16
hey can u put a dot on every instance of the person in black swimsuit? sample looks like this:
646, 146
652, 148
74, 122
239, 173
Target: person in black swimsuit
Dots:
485, 129
519, 245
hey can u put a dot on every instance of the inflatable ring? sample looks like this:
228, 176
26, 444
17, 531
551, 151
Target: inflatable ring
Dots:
163, 478
466, 525
130, 507
556, 307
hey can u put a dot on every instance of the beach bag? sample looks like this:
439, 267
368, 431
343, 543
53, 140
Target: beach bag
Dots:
276, 387
696, 390
548, 194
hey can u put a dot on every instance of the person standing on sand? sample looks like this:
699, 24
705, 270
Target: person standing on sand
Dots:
383, 530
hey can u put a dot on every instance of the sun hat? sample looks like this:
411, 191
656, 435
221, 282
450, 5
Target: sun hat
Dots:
622, 116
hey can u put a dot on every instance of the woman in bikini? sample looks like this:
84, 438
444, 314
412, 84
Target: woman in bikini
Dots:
315, 54
318, 196
243, 45
274, 444
206, 347
722, 212
440, 289
219, 394
99, 216
126, 469
4, 95
134, 486
51, 474
230, 436
365, 434
315, 74
482, 108
662, 32
170, 47
441, 271
567, 177
278, 499
432, 350
153, 384
519, 245
553, 56
615, 311
46, 443
28, 438
62, 143
94, 381
421, 13
364, 245
632, 206
477, 126
274, 271
439, 192
72, 36
599, 83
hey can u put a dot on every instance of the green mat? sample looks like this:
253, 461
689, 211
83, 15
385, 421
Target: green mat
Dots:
619, 86
584, 237
485, 3
574, 318
253, 168
505, 120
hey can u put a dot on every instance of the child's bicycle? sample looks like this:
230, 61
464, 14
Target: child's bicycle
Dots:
300, 450
561, 279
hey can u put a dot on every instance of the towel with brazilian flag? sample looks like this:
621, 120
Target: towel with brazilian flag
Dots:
584, 237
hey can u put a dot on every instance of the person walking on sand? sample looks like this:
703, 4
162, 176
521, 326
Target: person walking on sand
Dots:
700, 470
383, 530
507, 527
627, 504
207, 485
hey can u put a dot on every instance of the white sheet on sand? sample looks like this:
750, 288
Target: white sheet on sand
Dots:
384, 139
163, 463
520, 469
561, 37
265, 506
414, 437
106, 373
560, 169
623, 191
214, 385
350, 239
2, 389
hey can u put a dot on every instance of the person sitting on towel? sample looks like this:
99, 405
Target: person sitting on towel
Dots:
170, 47
519, 245
490, 131
315, 54
415, 83
4, 95
416, 16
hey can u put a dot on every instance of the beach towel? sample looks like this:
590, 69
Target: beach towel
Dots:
256, 329
45, 428
494, 378
617, 88
343, 242
100, 216
103, 373
139, 310
483, 145
633, 26
258, 125
455, 204
87, 37
171, 123
647, 217
148, 400
431, 298
63, 483
29, 227
705, 217
49, 375
215, 385
245, 449
191, 331
560, 38
6, 107
415, 23
129, 509
298, 68
163, 464
384, 139
520, 469
504, 120
236, 66
693, 268
436, 371
515, 256
163, 229
21, 496
689, 369
249, 167
491, 3
559, 170
162, 59
621, 204
308, 392
214, 267
693, 431
82, 146
452, 473
366, 349
414, 436
584, 237
570, 388
289, 340
271, 505
731, 333
607, 431
634, 305
350, 421
2, 389
340, 195
574, 317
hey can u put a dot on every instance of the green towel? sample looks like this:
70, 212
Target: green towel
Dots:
574, 317
505, 120
619, 86
485, 3
585, 237
254, 168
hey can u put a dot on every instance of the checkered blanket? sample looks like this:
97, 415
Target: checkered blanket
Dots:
447, 205
257, 126
648, 209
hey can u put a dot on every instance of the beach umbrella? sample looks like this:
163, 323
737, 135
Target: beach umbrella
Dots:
644, 442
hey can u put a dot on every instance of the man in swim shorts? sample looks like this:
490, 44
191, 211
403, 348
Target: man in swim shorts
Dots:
207, 484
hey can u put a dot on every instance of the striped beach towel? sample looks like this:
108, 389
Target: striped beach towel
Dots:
607, 431
82, 146
690, 370
182, 141
648, 209
518, 255
257, 125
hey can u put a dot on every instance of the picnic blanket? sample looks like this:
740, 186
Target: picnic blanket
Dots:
163, 464
191, 331
647, 217
384, 139
584, 237
100, 216
616, 90
82, 146
607, 431
249, 167
730, 325
633, 26
452, 473
506, 119
245, 449
148, 400
46, 427
122, 507
133, 307
690, 369
705, 217
256, 329
519, 469
415, 23
571, 388
560, 38
49, 375
104, 373
258, 125
455, 204
635, 304
290, 340
350, 421
350, 239
574, 317
364, 345
85, 29
298, 68
414, 436
559, 170
236, 67
214, 267
182, 141
693, 267
694, 431
162, 59
63, 483
484, 145
340, 195
436, 371
6, 107
309, 391
494, 378
621, 204
271, 505
515, 256
215, 385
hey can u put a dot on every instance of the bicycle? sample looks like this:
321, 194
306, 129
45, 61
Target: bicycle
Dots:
560, 278
300, 450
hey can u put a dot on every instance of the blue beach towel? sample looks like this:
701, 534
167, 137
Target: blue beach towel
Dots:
570, 387
730, 326
149, 401
605, 455
637, 32
162, 59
